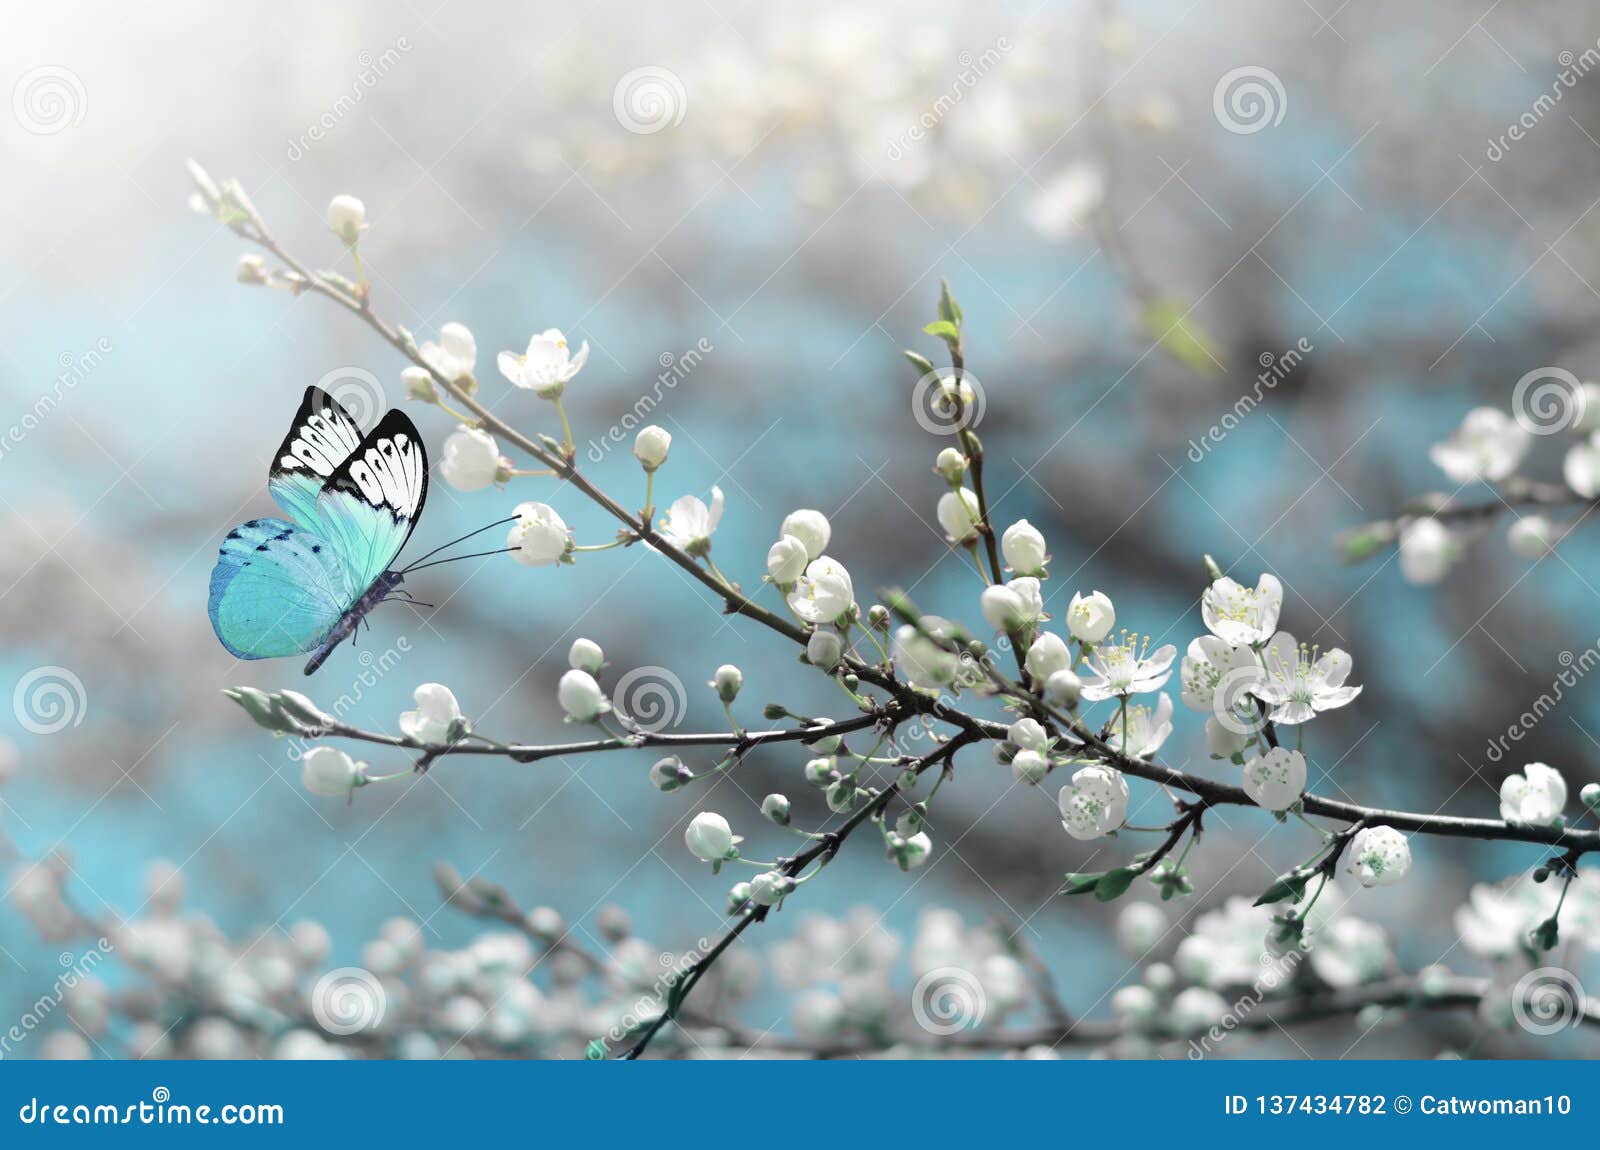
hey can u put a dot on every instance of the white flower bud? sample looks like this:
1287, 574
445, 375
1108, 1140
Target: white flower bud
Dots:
824, 593
770, 886
1277, 779
738, 897
1223, 742
1003, 608
580, 696
545, 923
650, 446
1135, 1005
1427, 549
437, 718
819, 772
811, 528
776, 808
329, 772
1532, 537
472, 460
824, 649
252, 269
1590, 796
419, 384
1029, 767
827, 745
669, 774
959, 516
728, 680
1029, 734
786, 560
347, 216
539, 535
1139, 927
586, 655
1047, 655
910, 852
1197, 1009
1062, 689
710, 839
951, 464
1024, 548
841, 795
1091, 619
1379, 856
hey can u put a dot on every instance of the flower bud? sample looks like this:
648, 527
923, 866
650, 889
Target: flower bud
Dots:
472, 460
710, 839
951, 464
811, 528
909, 852
669, 774
1029, 767
1091, 619
842, 796
545, 923
1047, 655
329, 772
1224, 742
827, 745
347, 216
252, 270
580, 697
878, 617
738, 897
820, 772
1003, 608
769, 887
776, 808
959, 515
650, 446
824, 649
1590, 796
1062, 689
1024, 548
1531, 537
586, 655
786, 560
1139, 927
728, 680
419, 384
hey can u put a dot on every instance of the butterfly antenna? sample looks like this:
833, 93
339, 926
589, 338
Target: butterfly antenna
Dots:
457, 558
497, 523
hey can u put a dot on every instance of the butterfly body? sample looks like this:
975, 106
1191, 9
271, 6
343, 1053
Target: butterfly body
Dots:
286, 586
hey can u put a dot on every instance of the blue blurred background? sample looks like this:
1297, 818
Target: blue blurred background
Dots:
1078, 186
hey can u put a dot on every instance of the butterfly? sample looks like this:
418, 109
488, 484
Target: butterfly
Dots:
305, 583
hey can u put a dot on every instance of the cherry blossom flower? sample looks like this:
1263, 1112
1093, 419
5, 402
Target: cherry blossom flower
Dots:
1209, 663
1535, 797
1240, 616
811, 528
455, 356
1489, 445
472, 460
1148, 728
1277, 779
823, 593
1379, 856
1127, 669
651, 445
689, 523
540, 536
546, 367
922, 661
1300, 683
1091, 618
1094, 803
436, 716
786, 560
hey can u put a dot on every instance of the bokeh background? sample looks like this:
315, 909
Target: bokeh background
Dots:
1078, 174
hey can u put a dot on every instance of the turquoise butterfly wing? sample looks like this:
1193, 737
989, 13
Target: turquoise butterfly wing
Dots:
282, 587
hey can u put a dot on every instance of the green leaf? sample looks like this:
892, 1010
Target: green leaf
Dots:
949, 309
1362, 543
921, 362
256, 704
1182, 338
1082, 883
1114, 883
1286, 886
945, 330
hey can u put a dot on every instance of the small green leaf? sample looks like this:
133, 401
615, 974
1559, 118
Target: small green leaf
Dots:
1170, 325
949, 309
1362, 543
1114, 883
1285, 886
945, 330
921, 362
1081, 883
